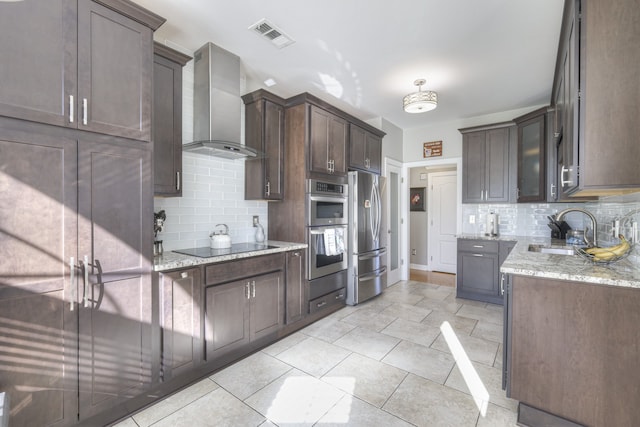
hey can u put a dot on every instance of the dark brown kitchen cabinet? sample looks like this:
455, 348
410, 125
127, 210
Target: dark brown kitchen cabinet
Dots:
478, 269
327, 142
485, 163
296, 287
167, 120
180, 294
78, 64
574, 358
365, 150
595, 94
264, 131
531, 153
77, 281
242, 311
38, 243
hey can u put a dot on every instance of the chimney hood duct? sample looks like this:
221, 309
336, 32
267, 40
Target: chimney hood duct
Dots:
217, 105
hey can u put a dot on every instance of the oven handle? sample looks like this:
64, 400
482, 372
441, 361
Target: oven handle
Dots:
338, 199
320, 230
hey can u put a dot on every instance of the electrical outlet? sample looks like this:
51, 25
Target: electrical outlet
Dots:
256, 220
414, 252
472, 219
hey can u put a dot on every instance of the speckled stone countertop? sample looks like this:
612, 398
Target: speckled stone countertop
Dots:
172, 260
483, 237
624, 273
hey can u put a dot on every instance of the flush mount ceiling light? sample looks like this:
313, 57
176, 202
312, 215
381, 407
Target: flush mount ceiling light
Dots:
420, 102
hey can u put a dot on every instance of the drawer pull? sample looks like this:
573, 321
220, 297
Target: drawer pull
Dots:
480, 255
321, 303
339, 296
478, 246
184, 275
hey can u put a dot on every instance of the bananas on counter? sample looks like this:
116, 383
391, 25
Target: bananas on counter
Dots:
606, 254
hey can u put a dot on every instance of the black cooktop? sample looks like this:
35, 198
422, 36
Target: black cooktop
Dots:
236, 248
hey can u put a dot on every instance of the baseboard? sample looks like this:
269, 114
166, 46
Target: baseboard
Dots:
420, 267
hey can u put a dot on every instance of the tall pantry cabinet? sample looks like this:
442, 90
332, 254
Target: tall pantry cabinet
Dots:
76, 218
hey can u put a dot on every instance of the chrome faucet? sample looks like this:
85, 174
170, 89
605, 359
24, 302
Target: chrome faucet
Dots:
594, 223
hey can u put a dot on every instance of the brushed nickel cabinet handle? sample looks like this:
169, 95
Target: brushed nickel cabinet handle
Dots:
321, 303
184, 275
178, 180
253, 289
502, 284
247, 290
268, 188
480, 255
84, 111
71, 109
86, 282
72, 271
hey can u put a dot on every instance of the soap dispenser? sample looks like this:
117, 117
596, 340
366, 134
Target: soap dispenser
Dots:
259, 230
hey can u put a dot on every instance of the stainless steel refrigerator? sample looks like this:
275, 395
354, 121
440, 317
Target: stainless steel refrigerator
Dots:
367, 271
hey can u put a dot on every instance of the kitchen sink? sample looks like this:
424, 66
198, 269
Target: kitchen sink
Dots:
555, 250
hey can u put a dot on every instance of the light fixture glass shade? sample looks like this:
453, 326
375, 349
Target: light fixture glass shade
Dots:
420, 102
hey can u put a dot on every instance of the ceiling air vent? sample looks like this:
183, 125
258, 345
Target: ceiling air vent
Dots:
272, 33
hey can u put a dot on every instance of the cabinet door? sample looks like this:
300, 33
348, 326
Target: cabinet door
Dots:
505, 249
568, 174
318, 140
267, 304
115, 67
497, 166
167, 127
357, 147
38, 50
531, 160
115, 210
226, 324
478, 277
274, 151
38, 338
374, 153
473, 167
337, 151
296, 295
180, 308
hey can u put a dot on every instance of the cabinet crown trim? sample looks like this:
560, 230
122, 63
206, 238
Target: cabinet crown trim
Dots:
487, 127
171, 54
135, 12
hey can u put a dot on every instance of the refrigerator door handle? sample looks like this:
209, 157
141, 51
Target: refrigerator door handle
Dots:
378, 207
372, 219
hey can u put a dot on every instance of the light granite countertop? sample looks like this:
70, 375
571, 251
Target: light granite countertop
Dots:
173, 260
624, 273
483, 237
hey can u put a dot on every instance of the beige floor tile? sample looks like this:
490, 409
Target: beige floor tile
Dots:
375, 304
481, 313
353, 412
328, 329
249, 375
417, 359
401, 297
460, 324
488, 331
285, 343
216, 409
477, 349
174, 402
407, 311
370, 319
499, 357
295, 399
491, 379
439, 293
440, 305
419, 333
497, 416
365, 378
453, 298
368, 343
424, 403
344, 312
128, 422
314, 356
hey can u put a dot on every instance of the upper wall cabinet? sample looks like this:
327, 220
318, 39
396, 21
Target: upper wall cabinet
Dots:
531, 156
365, 150
327, 142
264, 131
485, 163
167, 120
78, 64
596, 97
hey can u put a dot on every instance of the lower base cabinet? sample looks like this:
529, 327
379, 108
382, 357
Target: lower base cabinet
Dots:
180, 322
478, 270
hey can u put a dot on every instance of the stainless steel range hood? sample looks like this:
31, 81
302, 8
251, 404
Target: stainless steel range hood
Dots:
217, 105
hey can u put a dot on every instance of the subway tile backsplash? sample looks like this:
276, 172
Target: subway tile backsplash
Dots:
213, 193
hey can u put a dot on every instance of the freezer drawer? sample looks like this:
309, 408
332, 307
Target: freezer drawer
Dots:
370, 261
366, 286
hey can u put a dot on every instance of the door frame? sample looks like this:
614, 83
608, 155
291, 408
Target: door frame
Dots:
402, 236
454, 161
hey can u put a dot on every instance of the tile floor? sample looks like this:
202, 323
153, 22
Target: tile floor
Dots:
414, 356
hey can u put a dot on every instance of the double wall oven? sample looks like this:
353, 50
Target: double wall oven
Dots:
327, 225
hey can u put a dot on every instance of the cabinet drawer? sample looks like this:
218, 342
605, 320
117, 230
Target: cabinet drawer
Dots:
480, 246
235, 270
336, 297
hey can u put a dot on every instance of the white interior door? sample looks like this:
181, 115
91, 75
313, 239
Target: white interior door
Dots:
394, 215
442, 212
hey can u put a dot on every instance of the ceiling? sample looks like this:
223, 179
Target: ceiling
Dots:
481, 56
